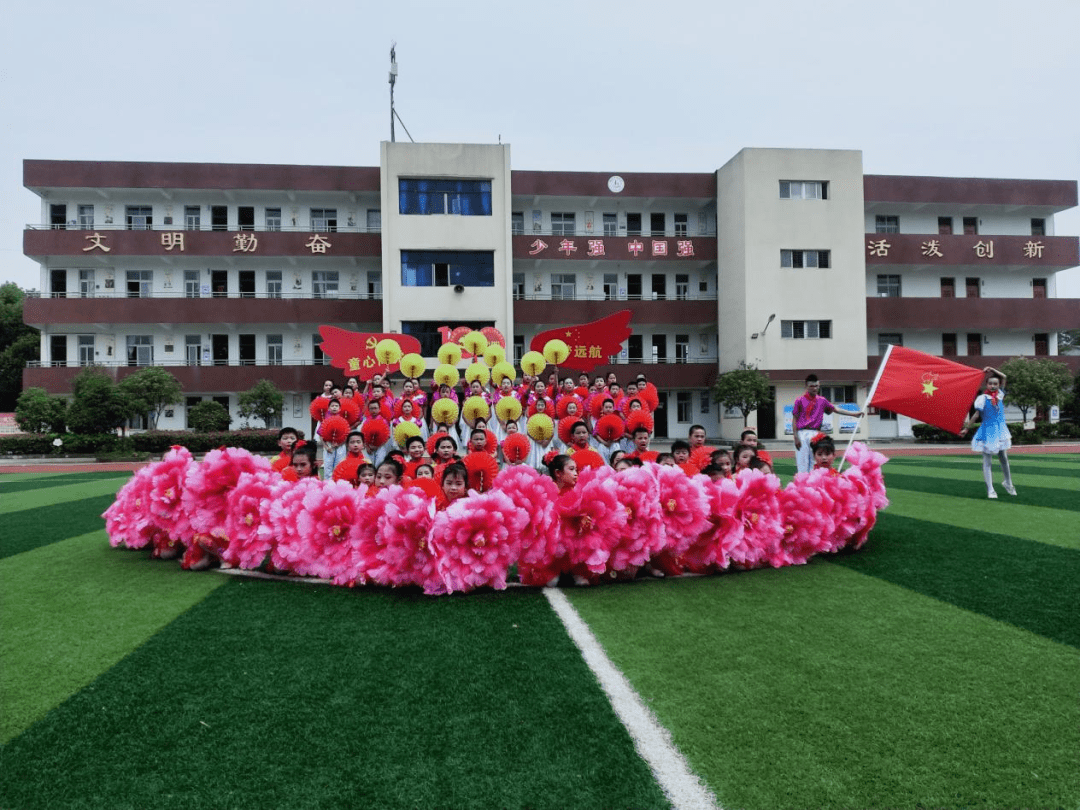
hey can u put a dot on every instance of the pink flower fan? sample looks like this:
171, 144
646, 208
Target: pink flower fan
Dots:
404, 555
684, 506
849, 502
713, 548
806, 509
362, 542
206, 487
128, 520
869, 463
279, 525
863, 515
476, 539
323, 524
591, 519
643, 534
758, 509
542, 554
167, 494
247, 507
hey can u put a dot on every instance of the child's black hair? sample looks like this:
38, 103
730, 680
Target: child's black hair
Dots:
662, 457
456, 469
824, 442
394, 464
285, 430
557, 464
680, 444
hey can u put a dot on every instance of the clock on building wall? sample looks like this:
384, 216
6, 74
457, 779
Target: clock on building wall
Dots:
616, 184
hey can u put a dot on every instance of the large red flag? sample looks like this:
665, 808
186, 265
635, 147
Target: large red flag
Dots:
590, 344
928, 388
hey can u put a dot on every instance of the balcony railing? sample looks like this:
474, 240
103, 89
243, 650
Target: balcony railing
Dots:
288, 296
432, 362
121, 226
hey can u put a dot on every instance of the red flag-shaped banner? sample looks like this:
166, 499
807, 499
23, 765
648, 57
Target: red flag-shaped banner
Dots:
590, 343
354, 352
928, 388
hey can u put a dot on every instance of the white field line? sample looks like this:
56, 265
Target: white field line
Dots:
652, 740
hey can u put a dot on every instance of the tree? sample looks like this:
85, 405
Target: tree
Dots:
37, 412
745, 388
261, 402
209, 416
150, 390
1039, 383
1069, 341
96, 404
19, 344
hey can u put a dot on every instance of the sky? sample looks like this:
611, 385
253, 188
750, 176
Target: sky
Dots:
959, 88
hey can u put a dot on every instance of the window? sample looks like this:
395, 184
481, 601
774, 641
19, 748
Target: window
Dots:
682, 224
519, 286
427, 332
563, 286
139, 217
1038, 288
317, 356
886, 224
273, 284
86, 217
193, 350
838, 394
272, 219
191, 283
886, 416
140, 350
944, 226
324, 284
806, 330
86, 350
192, 217
519, 348
562, 223
888, 286
682, 349
659, 348
633, 286
971, 226
139, 283
467, 198
219, 217
58, 216
611, 224
948, 288
247, 349
974, 344
684, 406
804, 258
442, 268
682, 286
634, 348
58, 350
804, 190
659, 286
885, 339
517, 222
611, 286
374, 285
87, 286
973, 287
245, 217
1042, 344
374, 220
1038, 226
704, 407
948, 344
633, 224
657, 224
324, 219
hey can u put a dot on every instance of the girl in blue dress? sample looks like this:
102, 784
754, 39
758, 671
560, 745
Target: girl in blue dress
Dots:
992, 437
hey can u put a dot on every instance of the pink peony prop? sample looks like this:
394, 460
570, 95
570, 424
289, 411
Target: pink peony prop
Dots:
475, 541
247, 507
591, 519
542, 555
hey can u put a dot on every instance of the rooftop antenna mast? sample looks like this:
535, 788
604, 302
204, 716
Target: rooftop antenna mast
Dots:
393, 81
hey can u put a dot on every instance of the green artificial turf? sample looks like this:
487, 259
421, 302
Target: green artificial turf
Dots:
277, 694
50, 496
815, 686
24, 482
1050, 497
32, 528
72, 609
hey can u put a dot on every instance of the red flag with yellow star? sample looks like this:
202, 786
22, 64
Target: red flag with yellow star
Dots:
928, 388
590, 344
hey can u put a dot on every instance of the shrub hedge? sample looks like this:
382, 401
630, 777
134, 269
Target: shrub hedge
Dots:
156, 442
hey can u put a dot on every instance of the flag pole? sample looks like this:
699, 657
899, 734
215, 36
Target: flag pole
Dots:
869, 399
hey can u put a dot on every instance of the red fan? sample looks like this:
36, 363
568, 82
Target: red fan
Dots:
700, 458
350, 409
587, 458
565, 424
386, 409
318, 408
649, 397
564, 403
516, 447
289, 474
610, 427
433, 441
595, 403
582, 392
492, 442
428, 486
482, 471
347, 469
334, 429
638, 419
376, 432
689, 468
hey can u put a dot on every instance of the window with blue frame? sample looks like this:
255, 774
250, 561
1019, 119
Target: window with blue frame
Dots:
467, 198
447, 268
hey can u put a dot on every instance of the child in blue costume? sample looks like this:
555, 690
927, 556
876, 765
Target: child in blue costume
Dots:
992, 436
